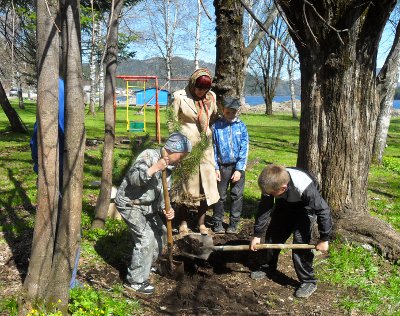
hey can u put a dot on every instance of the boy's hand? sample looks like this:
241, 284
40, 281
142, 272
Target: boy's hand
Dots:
236, 176
254, 242
218, 175
322, 246
169, 215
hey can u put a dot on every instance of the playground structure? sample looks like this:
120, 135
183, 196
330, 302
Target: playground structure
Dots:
140, 126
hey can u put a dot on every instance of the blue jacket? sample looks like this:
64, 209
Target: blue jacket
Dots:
231, 143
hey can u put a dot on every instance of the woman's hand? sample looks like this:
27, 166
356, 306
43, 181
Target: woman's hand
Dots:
218, 175
254, 242
170, 215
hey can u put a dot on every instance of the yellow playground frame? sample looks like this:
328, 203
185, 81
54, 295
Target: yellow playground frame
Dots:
135, 126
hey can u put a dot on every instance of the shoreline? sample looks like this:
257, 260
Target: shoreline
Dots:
287, 107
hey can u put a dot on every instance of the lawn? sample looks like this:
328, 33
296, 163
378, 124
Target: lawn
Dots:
272, 139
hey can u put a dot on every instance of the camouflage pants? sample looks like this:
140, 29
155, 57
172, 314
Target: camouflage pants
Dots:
149, 235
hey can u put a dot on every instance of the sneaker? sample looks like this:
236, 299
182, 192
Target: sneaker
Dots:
232, 229
270, 271
218, 229
305, 290
144, 287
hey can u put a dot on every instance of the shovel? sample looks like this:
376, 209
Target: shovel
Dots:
168, 266
201, 246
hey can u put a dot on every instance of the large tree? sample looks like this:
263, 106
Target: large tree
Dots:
69, 219
103, 201
337, 44
57, 229
37, 279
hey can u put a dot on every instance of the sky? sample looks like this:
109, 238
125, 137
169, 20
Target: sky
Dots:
146, 49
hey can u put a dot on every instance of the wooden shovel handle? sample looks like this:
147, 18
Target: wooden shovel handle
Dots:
263, 246
167, 202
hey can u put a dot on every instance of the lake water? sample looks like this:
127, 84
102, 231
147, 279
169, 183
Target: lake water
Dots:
257, 99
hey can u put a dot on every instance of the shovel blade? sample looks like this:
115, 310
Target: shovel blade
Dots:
197, 246
172, 269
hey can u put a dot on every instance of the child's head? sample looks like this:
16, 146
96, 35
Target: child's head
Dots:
230, 108
273, 180
177, 147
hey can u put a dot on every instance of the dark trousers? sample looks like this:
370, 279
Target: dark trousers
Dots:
236, 192
284, 222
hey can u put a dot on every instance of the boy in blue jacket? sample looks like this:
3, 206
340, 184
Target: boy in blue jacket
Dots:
231, 147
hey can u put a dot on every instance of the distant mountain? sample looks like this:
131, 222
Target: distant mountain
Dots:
182, 68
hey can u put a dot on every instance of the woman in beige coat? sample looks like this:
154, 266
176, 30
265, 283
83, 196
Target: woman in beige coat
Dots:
194, 107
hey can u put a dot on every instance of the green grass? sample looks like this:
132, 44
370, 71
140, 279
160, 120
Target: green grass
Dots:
377, 286
374, 282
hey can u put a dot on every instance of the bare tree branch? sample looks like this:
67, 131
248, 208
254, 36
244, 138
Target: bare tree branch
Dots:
260, 24
325, 22
205, 10
257, 37
308, 25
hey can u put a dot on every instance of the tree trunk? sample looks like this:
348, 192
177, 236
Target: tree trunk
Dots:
290, 71
386, 86
68, 230
41, 258
21, 104
93, 64
101, 86
339, 106
230, 51
103, 201
268, 104
197, 42
15, 121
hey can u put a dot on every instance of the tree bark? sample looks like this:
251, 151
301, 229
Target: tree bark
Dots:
337, 47
230, 50
386, 86
92, 76
103, 201
41, 259
290, 71
197, 42
15, 121
69, 224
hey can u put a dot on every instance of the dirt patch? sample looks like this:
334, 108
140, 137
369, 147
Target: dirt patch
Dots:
220, 285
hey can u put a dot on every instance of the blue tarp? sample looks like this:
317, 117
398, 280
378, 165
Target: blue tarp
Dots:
150, 95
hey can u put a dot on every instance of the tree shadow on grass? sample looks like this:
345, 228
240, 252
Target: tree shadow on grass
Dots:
116, 250
18, 230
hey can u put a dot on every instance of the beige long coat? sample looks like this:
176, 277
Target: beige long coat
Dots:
186, 113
